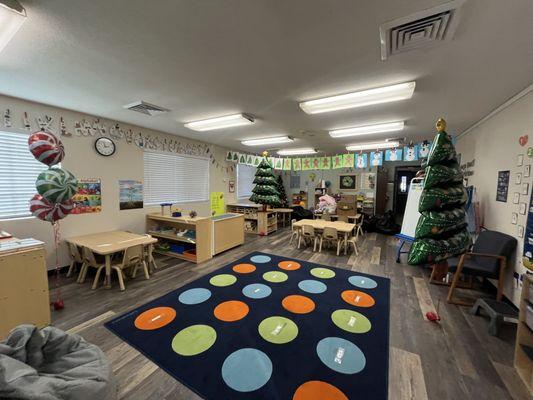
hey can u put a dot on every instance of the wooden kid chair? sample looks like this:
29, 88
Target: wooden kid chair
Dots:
353, 241
330, 235
295, 231
325, 216
488, 259
89, 260
308, 234
359, 226
342, 218
75, 257
133, 257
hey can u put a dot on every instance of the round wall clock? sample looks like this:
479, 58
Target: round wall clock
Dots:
105, 146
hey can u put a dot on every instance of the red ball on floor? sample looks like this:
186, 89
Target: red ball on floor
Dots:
58, 305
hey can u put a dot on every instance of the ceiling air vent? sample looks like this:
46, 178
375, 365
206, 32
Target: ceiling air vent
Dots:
425, 28
146, 108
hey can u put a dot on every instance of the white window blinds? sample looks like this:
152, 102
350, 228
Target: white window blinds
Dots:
18, 173
171, 178
245, 177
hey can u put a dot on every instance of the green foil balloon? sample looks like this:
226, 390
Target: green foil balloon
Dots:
56, 185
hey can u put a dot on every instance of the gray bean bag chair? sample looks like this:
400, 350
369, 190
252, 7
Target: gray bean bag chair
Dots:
50, 364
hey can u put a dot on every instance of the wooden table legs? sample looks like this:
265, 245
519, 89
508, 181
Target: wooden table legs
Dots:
107, 281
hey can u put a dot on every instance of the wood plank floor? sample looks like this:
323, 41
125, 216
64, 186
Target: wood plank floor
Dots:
455, 359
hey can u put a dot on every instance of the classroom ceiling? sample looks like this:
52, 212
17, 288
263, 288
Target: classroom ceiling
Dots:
208, 58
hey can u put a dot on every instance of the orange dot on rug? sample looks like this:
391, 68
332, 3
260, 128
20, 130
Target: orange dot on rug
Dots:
289, 265
318, 390
298, 304
155, 318
230, 311
357, 298
244, 268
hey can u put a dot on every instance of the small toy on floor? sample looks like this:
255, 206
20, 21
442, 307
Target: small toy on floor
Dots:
434, 316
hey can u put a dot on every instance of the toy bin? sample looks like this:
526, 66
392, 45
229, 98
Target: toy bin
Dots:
191, 253
177, 248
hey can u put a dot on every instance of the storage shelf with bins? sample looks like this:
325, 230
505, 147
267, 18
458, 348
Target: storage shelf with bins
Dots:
523, 357
255, 221
188, 238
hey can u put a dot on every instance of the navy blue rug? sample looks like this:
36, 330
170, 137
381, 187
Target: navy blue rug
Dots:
269, 327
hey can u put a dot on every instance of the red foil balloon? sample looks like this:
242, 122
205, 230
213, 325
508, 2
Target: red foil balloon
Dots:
43, 209
46, 148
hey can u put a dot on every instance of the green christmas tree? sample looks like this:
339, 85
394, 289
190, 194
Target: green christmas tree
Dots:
265, 191
441, 231
282, 194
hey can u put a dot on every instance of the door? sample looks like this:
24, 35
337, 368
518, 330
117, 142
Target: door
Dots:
402, 179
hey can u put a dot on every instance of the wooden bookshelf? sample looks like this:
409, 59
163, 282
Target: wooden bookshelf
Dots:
166, 227
523, 356
255, 221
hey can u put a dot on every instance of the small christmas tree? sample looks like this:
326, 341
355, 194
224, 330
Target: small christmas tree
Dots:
265, 191
282, 194
441, 231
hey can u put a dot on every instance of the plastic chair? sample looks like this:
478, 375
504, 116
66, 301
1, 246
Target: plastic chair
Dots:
330, 235
308, 234
75, 257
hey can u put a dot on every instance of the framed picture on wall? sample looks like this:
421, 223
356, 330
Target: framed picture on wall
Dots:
347, 182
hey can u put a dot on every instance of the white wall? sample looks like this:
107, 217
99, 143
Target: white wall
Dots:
84, 162
494, 146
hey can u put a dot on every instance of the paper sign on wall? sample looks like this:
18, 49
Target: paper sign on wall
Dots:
217, 203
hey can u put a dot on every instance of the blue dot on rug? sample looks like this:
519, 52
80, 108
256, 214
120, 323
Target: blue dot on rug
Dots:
260, 259
256, 291
194, 296
312, 286
362, 282
341, 355
246, 370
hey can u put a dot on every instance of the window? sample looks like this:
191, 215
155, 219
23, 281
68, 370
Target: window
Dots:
171, 178
18, 173
245, 178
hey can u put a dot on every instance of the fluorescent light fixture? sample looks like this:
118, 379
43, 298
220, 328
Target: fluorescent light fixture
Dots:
367, 129
267, 140
12, 16
227, 121
368, 97
296, 152
373, 146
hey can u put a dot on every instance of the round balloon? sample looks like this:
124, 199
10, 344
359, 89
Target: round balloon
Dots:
46, 148
56, 185
43, 209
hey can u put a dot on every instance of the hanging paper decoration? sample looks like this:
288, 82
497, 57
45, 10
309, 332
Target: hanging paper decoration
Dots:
336, 161
297, 164
315, 163
7, 118
393, 155
348, 160
423, 149
286, 164
50, 212
45, 123
56, 185
376, 158
46, 148
242, 158
249, 160
361, 160
410, 153
26, 121
278, 163
325, 163
257, 160
63, 128
306, 164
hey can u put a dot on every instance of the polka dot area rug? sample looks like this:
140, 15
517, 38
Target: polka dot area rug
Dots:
269, 327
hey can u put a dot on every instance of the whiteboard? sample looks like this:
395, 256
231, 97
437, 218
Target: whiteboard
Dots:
411, 215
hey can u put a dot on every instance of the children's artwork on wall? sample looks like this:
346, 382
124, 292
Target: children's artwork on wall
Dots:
348, 160
410, 153
502, 187
527, 171
88, 197
376, 158
131, 194
347, 182
520, 160
518, 178
520, 231
7, 118
231, 186
525, 189
257, 161
250, 160
368, 181
516, 198
530, 152
393, 155
306, 164
523, 208
297, 164
315, 163
325, 163
278, 163
336, 161
287, 164
242, 158
361, 160
523, 140
217, 203
514, 218
423, 149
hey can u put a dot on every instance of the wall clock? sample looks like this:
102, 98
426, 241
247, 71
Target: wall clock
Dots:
105, 146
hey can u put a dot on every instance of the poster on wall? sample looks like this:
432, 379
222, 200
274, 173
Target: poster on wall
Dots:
336, 161
527, 259
393, 155
361, 160
217, 203
130, 194
502, 188
368, 181
297, 164
376, 158
348, 160
347, 182
88, 197
410, 153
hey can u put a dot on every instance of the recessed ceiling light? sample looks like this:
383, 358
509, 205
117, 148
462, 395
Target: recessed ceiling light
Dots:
267, 140
373, 146
12, 16
362, 98
367, 129
295, 152
227, 121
